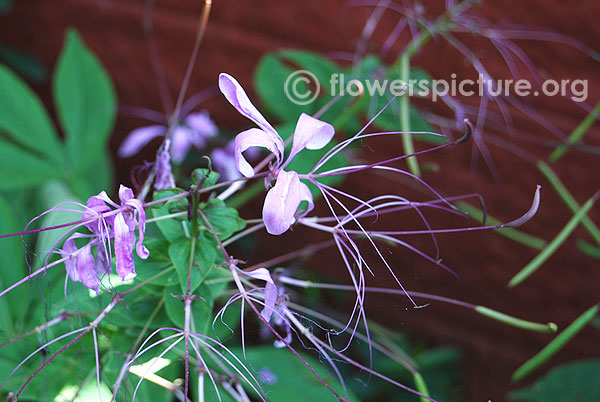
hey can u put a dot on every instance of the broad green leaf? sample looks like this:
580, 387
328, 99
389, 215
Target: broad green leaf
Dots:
204, 258
95, 178
289, 379
25, 120
226, 221
85, 101
20, 169
572, 382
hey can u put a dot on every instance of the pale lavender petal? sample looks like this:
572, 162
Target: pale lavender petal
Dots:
253, 138
281, 203
124, 242
125, 194
263, 274
181, 142
202, 125
86, 268
224, 163
164, 176
138, 138
142, 251
306, 195
236, 95
67, 251
311, 133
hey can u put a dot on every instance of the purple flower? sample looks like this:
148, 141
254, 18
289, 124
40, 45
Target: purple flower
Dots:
283, 199
195, 130
80, 263
164, 176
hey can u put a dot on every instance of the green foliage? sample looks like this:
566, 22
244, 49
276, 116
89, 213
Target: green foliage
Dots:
574, 382
85, 102
31, 151
224, 220
290, 380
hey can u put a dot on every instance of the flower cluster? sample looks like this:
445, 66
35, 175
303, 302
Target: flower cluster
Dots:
195, 130
105, 224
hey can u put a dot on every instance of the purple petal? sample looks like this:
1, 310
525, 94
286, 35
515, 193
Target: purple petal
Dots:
263, 274
125, 194
202, 125
253, 138
181, 142
164, 176
86, 268
141, 250
236, 95
311, 133
138, 138
124, 241
306, 195
224, 163
96, 205
281, 203
67, 251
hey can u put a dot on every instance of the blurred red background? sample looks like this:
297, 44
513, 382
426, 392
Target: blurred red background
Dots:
240, 32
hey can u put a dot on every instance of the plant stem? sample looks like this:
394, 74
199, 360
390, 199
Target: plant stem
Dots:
554, 244
576, 135
421, 386
568, 199
516, 322
407, 142
556, 344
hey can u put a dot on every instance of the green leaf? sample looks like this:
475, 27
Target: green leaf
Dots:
302, 386
204, 259
52, 194
226, 221
170, 228
573, 382
21, 169
12, 269
320, 66
85, 101
201, 309
204, 177
269, 81
25, 120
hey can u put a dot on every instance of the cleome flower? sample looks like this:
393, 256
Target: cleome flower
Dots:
284, 198
118, 224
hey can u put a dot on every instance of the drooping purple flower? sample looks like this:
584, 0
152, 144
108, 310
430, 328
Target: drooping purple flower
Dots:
282, 201
80, 263
194, 130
